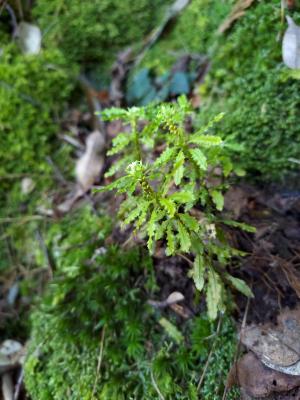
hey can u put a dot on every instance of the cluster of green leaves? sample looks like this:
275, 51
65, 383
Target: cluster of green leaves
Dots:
94, 31
103, 305
163, 190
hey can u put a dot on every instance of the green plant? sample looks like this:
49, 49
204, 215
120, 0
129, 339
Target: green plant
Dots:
103, 305
162, 191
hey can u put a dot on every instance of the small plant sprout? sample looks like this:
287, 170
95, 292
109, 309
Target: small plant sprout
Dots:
173, 184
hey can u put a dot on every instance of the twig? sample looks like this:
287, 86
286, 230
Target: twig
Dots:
238, 346
99, 362
19, 385
160, 395
209, 356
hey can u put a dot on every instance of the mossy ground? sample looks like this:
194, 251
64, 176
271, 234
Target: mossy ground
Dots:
101, 300
246, 81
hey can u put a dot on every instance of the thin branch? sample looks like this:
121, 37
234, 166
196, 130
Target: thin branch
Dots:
99, 362
160, 395
209, 356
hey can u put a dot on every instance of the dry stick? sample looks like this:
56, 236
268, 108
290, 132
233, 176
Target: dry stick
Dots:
161, 397
19, 385
209, 356
99, 362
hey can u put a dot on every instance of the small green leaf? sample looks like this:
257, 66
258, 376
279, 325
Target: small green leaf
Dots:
213, 294
160, 230
119, 142
112, 113
206, 140
182, 197
240, 285
199, 158
170, 241
190, 222
178, 175
241, 225
218, 199
178, 170
151, 227
169, 206
165, 156
171, 330
184, 237
199, 272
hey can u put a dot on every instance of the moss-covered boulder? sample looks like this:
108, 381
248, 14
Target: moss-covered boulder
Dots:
247, 80
95, 30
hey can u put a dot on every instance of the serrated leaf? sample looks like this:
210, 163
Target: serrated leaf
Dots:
171, 330
184, 237
169, 206
190, 222
182, 197
165, 156
213, 294
118, 143
151, 229
199, 272
199, 158
135, 213
240, 285
178, 170
178, 175
112, 113
116, 166
170, 241
160, 230
241, 225
206, 140
218, 199
211, 123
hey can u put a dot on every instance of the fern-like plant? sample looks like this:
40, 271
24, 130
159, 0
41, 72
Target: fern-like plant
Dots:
176, 193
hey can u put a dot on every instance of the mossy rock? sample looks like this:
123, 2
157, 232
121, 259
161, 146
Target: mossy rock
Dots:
193, 31
247, 81
95, 31
100, 299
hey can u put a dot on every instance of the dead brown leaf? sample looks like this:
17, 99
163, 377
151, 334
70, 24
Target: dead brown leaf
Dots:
257, 380
276, 346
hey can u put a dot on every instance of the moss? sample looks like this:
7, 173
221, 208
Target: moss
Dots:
94, 31
102, 288
33, 90
247, 82
192, 32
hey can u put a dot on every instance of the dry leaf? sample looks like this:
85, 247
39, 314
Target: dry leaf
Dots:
291, 45
257, 380
89, 166
30, 38
7, 386
11, 355
237, 12
275, 345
